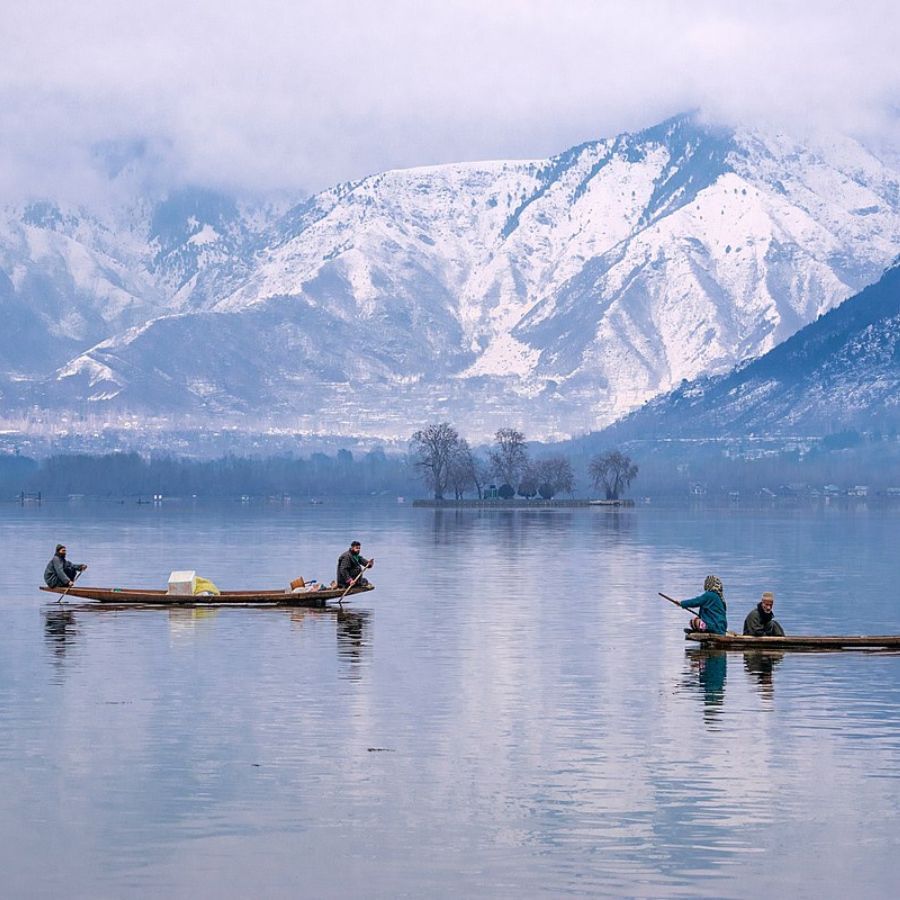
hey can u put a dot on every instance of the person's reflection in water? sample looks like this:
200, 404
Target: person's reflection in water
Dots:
711, 668
353, 639
761, 665
60, 630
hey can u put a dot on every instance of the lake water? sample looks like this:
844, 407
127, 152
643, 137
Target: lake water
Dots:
512, 713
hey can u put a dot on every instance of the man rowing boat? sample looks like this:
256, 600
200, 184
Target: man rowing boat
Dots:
350, 567
60, 572
760, 621
710, 607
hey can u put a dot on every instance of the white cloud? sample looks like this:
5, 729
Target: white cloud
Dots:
267, 95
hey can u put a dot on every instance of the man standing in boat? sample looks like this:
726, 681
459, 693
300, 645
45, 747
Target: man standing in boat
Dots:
761, 621
351, 565
710, 607
60, 572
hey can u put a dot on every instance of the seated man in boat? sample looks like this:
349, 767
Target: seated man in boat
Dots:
711, 610
350, 566
761, 621
60, 572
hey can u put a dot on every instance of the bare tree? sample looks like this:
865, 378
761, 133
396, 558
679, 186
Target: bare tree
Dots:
481, 474
555, 476
509, 459
461, 475
528, 485
433, 449
612, 471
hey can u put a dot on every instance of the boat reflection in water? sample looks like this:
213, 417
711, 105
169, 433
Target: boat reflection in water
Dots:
352, 627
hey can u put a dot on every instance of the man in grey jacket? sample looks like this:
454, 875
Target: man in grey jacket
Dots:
60, 572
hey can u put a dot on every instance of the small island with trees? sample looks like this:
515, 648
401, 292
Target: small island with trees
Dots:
507, 475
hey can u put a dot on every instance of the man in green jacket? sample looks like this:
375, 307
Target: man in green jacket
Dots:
350, 566
711, 610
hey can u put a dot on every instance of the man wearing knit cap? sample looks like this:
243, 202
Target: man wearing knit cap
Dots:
761, 621
60, 572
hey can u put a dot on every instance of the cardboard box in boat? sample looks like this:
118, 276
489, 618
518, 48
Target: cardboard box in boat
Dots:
182, 582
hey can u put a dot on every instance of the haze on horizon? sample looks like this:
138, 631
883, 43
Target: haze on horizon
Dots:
267, 97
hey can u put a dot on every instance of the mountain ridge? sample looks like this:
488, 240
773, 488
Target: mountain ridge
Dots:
840, 372
556, 295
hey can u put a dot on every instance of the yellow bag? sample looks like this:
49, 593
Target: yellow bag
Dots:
204, 586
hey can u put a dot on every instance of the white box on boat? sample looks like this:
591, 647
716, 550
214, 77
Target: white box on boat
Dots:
182, 582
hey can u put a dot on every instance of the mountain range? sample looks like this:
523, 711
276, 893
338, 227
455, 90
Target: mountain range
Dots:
840, 372
555, 295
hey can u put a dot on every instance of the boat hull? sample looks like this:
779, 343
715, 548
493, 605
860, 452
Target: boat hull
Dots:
797, 641
226, 598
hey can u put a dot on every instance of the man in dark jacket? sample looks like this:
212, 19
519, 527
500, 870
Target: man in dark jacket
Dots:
761, 620
60, 572
351, 564
710, 606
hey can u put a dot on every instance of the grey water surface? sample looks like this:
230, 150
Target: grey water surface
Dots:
513, 712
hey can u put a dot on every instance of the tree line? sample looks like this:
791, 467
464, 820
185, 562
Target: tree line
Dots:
448, 466
130, 474
437, 455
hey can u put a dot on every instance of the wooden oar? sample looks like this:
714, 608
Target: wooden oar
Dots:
363, 569
672, 600
69, 588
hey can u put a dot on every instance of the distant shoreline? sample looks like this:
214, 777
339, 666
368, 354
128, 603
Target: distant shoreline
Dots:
518, 504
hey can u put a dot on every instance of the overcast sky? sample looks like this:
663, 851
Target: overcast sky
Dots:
263, 95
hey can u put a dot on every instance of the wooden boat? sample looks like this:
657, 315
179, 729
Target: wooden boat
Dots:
226, 598
732, 641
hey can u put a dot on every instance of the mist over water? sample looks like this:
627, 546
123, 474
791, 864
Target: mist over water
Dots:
513, 711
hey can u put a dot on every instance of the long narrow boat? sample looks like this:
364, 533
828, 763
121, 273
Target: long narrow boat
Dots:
797, 641
226, 598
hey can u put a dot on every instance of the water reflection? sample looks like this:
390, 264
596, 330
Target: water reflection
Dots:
353, 642
60, 631
235, 748
185, 620
760, 665
352, 629
707, 670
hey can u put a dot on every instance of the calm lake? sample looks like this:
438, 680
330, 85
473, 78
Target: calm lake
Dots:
512, 713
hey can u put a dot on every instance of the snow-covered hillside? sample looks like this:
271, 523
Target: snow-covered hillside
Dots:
555, 295
840, 372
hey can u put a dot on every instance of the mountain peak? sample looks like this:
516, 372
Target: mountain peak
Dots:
555, 295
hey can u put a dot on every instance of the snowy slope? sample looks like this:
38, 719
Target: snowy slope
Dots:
553, 294
842, 371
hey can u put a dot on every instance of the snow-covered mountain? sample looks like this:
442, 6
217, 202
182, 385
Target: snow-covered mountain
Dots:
71, 278
840, 372
555, 295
